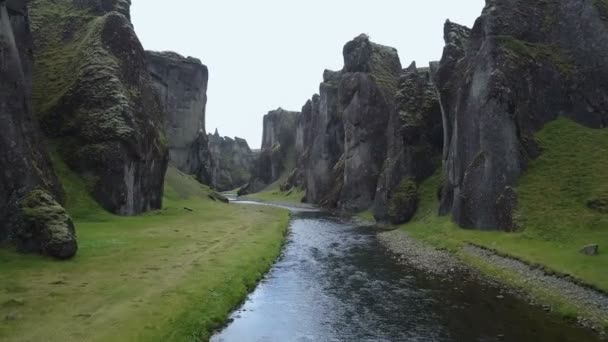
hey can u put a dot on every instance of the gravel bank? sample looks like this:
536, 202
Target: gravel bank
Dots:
419, 255
585, 297
440, 262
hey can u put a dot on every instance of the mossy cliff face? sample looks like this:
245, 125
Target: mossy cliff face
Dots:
24, 160
523, 64
415, 141
233, 162
182, 86
93, 95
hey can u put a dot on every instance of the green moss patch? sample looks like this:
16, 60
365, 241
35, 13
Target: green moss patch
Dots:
403, 202
519, 51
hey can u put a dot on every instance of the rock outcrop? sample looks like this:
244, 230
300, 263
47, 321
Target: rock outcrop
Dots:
523, 64
277, 156
414, 143
30, 215
94, 98
233, 162
352, 137
182, 85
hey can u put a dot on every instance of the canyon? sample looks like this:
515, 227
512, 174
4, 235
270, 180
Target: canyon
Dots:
105, 159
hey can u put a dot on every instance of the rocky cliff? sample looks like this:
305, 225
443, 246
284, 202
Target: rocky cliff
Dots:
30, 213
350, 137
182, 85
523, 64
414, 145
233, 162
94, 98
277, 156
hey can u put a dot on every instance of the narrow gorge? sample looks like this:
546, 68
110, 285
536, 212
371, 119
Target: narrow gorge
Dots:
465, 198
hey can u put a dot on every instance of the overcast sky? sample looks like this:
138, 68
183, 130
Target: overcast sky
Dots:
266, 54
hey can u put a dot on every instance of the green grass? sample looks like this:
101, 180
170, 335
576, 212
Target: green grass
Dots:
273, 194
366, 216
556, 222
171, 275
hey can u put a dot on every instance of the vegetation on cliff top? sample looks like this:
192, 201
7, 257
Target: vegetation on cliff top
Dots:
553, 207
171, 275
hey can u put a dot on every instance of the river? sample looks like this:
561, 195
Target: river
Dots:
335, 282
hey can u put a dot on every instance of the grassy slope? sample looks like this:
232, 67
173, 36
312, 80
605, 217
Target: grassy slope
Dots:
273, 194
552, 211
170, 275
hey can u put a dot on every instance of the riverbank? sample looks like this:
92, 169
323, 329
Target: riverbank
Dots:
573, 301
555, 220
171, 275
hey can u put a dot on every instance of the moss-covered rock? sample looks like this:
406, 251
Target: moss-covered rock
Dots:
403, 202
93, 94
47, 228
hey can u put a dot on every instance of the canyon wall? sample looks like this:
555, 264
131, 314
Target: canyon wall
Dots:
94, 97
372, 126
31, 215
182, 87
523, 64
233, 162
277, 156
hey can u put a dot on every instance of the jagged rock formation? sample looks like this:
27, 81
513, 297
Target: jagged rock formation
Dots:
373, 127
233, 161
277, 156
523, 64
94, 97
415, 141
30, 215
182, 85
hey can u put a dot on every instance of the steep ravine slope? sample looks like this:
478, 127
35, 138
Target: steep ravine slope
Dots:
30, 213
182, 86
94, 97
523, 64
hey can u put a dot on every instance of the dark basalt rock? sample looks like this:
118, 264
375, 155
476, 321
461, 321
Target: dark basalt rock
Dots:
233, 162
182, 85
341, 135
277, 156
24, 160
523, 64
94, 96
415, 139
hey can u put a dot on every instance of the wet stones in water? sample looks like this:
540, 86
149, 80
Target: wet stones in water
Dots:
591, 250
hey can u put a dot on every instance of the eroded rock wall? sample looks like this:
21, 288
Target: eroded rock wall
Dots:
95, 99
182, 86
415, 142
523, 64
26, 170
233, 162
277, 156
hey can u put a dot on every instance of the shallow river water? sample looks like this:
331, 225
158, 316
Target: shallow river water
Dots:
334, 282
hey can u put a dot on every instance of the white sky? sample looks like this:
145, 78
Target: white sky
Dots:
266, 54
